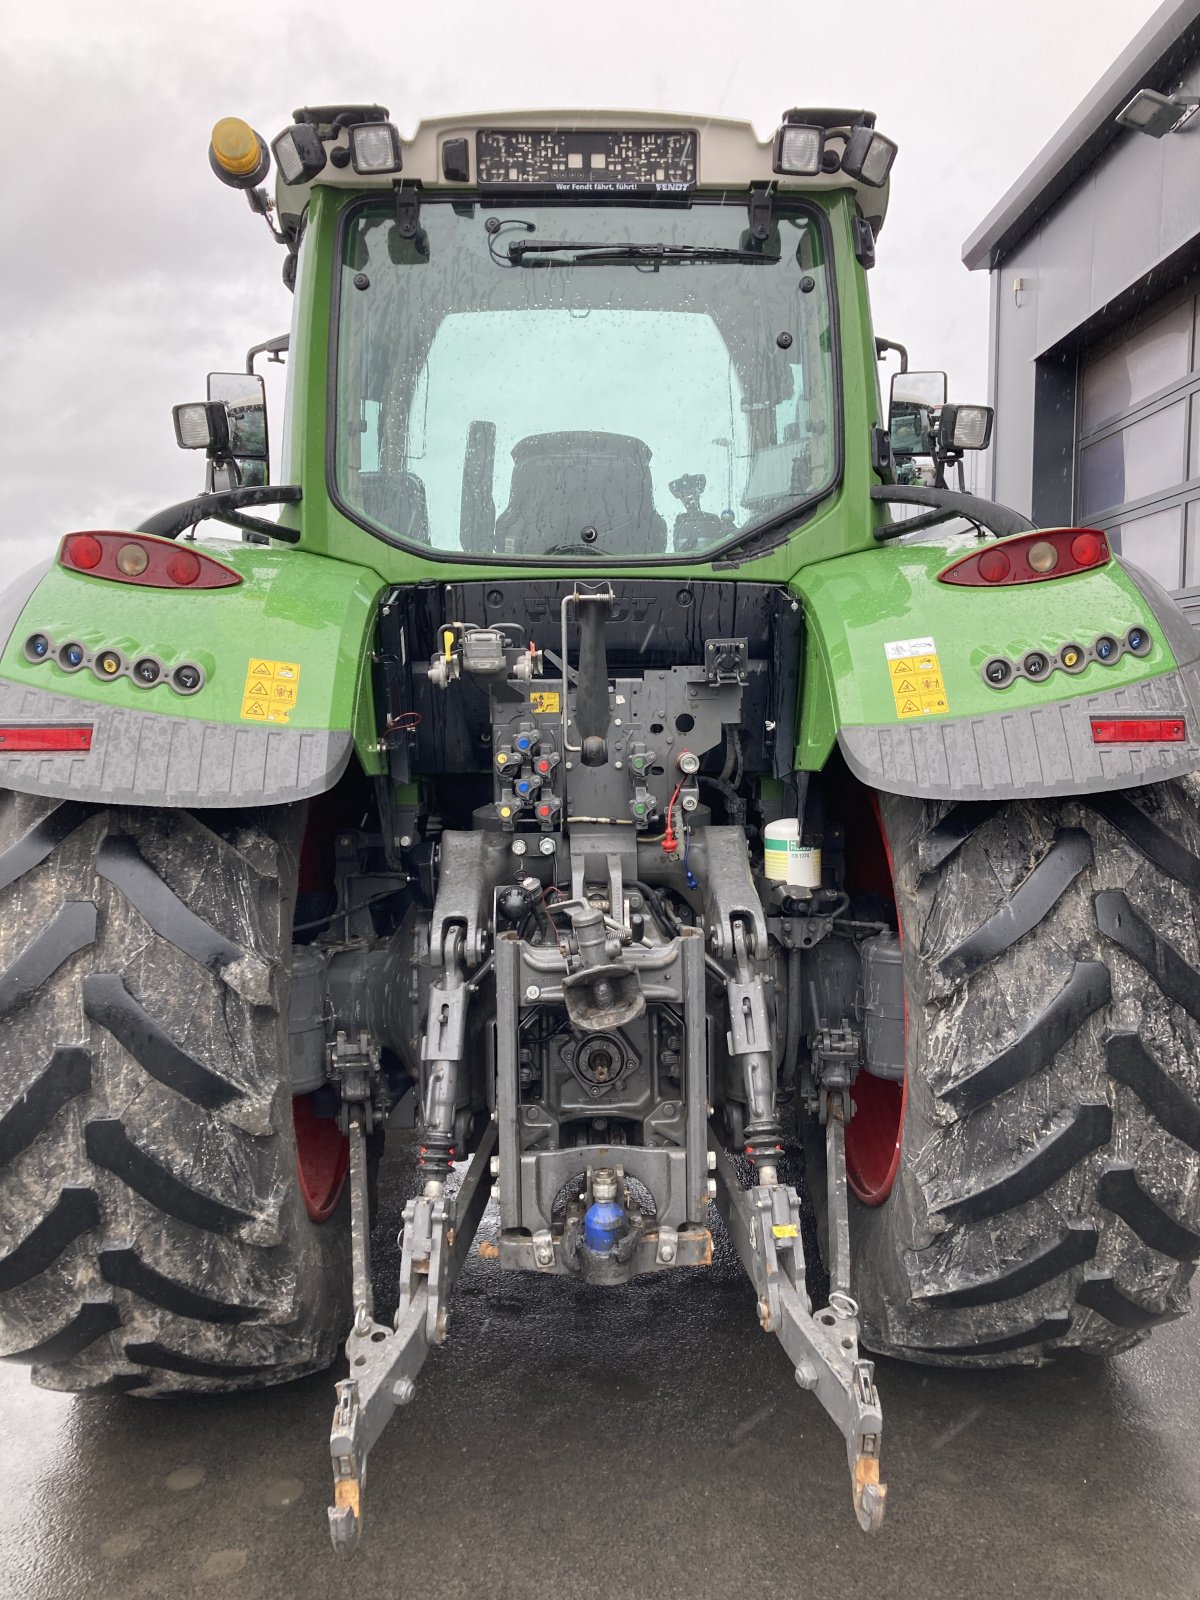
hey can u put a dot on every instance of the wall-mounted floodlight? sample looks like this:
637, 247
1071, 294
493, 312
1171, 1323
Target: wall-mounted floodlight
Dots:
1156, 114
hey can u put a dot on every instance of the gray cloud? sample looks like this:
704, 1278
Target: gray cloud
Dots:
128, 271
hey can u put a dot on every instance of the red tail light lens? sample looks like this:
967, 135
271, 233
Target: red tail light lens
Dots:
994, 566
166, 565
1089, 548
1139, 730
82, 551
1031, 558
183, 567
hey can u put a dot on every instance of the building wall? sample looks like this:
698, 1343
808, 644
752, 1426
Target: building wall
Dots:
1124, 234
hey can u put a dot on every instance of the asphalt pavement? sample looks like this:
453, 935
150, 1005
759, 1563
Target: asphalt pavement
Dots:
573, 1442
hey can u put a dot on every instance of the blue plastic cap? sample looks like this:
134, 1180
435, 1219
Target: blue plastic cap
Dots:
602, 1226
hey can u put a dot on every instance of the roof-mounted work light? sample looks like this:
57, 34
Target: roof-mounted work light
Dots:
237, 154
299, 153
375, 147
799, 149
868, 156
1157, 114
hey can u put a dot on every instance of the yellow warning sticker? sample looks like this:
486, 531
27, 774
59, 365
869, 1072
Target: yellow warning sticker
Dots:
916, 678
785, 1230
270, 690
545, 701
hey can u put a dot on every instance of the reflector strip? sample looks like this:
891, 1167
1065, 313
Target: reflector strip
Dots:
1139, 730
24, 738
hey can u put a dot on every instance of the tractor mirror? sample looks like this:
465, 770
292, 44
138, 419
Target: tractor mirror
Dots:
919, 388
915, 396
242, 399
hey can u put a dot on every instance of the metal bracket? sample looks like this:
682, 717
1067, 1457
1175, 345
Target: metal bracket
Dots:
408, 211
726, 661
761, 208
764, 1224
384, 1362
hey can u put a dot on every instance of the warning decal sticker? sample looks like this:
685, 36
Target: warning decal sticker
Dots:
916, 678
270, 691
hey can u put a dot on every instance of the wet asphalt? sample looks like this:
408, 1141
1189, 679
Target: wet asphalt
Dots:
579, 1443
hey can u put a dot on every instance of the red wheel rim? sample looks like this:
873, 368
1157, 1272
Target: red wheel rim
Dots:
322, 1158
874, 1131
873, 1137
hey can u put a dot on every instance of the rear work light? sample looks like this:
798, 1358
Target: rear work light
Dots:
1031, 558
1138, 730
22, 738
142, 559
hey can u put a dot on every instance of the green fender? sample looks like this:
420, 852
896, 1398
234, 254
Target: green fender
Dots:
894, 675
286, 696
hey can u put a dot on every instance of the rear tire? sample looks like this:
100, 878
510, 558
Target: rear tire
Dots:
153, 1233
1047, 1192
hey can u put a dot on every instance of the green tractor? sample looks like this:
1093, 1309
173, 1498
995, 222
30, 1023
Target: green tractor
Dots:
626, 763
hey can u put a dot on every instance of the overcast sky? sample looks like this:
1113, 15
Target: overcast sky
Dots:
128, 271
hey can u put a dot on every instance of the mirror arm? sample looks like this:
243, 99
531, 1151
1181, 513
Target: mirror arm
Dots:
882, 346
946, 503
275, 350
226, 506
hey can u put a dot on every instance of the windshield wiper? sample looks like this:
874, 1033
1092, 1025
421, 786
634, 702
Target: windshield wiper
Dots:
766, 533
639, 254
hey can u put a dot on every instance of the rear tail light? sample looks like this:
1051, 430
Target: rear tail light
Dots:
142, 559
1138, 730
1031, 558
24, 738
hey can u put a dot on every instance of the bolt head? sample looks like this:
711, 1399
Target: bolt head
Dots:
711, 1158
494, 1166
712, 1188
668, 1252
532, 992
545, 1255
403, 1390
806, 1375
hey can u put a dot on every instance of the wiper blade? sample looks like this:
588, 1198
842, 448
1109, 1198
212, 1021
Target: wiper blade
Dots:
765, 533
640, 254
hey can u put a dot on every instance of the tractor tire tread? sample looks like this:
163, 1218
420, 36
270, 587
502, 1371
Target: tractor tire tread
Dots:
1048, 1194
153, 1235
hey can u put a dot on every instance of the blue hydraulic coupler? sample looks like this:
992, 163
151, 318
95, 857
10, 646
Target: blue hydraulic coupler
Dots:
605, 1219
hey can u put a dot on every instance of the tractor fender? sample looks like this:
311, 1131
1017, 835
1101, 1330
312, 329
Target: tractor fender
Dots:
285, 701
894, 674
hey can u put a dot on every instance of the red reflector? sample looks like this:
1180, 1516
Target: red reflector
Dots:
14, 740
1139, 730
